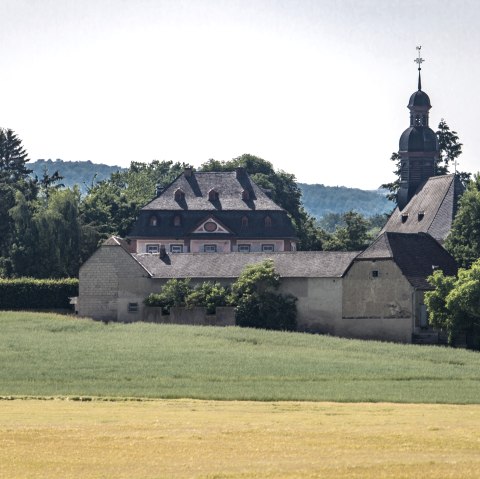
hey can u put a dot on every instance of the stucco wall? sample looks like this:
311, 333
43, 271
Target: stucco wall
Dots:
376, 306
319, 304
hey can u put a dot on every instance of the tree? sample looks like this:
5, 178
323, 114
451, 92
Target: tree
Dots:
449, 150
463, 242
173, 294
111, 206
13, 157
258, 303
454, 304
351, 236
282, 188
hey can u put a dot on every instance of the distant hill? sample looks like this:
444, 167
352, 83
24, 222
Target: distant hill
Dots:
81, 173
320, 200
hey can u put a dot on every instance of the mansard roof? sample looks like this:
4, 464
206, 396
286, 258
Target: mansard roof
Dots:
230, 186
302, 264
431, 210
417, 256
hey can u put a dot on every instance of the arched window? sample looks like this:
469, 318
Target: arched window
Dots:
213, 195
268, 222
153, 221
179, 194
244, 221
177, 221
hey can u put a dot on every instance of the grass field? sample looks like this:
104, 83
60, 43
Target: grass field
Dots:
215, 439
48, 355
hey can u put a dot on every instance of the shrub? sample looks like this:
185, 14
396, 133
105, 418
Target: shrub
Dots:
258, 304
208, 295
172, 294
29, 293
267, 310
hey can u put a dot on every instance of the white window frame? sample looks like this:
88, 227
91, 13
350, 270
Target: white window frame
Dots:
176, 248
244, 248
209, 248
152, 248
268, 248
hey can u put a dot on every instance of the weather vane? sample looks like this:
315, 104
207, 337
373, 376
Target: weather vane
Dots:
419, 60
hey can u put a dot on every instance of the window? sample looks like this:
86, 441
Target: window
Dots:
268, 222
210, 248
421, 215
153, 220
177, 221
375, 273
404, 217
176, 248
132, 307
244, 248
179, 194
213, 195
266, 248
244, 221
152, 248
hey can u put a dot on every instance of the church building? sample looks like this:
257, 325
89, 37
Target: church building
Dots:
426, 203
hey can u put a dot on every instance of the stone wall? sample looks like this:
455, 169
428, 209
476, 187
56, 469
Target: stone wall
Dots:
224, 316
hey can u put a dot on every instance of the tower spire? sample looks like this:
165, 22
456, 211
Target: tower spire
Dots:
419, 60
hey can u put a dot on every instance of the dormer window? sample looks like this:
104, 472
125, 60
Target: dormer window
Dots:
404, 217
213, 195
268, 222
244, 221
153, 221
245, 195
421, 215
177, 221
179, 194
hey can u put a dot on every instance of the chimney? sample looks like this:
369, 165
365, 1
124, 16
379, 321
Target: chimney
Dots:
240, 172
158, 190
188, 171
163, 252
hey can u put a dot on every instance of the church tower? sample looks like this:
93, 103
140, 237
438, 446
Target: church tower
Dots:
418, 145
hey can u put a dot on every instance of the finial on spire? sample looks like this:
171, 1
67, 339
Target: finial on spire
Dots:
419, 60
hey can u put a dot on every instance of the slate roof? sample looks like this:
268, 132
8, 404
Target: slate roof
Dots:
303, 264
417, 255
226, 183
431, 210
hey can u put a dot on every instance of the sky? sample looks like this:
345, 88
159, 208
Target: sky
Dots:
318, 88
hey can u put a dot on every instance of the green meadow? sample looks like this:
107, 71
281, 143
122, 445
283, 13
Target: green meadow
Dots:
53, 355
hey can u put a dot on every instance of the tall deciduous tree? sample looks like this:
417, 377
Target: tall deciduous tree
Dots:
463, 242
454, 304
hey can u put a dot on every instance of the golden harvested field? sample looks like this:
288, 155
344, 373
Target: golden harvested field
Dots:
217, 439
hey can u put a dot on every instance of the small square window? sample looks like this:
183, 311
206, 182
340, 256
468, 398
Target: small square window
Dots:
132, 307
268, 248
244, 248
176, 248
152, 248
210, 248
375, 273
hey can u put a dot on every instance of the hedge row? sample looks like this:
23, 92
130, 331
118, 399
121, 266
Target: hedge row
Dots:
29, 293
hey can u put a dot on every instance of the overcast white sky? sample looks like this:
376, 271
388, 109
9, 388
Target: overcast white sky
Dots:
318, 88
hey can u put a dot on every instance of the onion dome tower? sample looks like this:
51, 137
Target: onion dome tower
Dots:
418, 145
